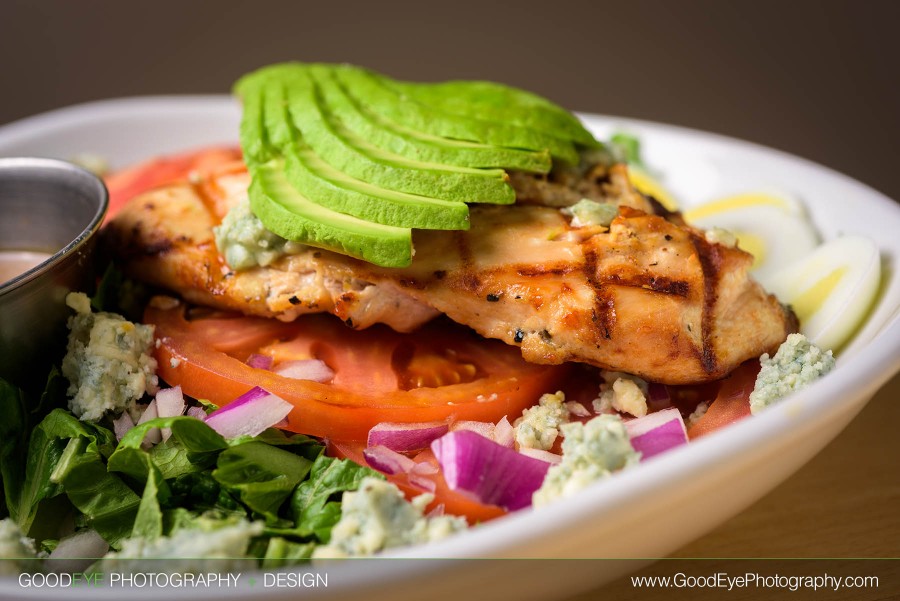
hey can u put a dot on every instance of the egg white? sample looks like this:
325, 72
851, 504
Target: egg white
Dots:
831, 289
772, 227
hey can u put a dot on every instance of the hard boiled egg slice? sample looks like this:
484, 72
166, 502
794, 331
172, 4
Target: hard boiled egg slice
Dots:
832, 289
771, 227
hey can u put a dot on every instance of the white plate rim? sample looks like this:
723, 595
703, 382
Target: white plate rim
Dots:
859, 376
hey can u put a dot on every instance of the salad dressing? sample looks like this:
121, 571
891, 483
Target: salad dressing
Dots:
16, 262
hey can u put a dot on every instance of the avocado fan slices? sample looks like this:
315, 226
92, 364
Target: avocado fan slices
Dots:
288, 213
494, 101
274, 200
344, 150
403, 109
329, 186
348, 160
390, 135
384, 133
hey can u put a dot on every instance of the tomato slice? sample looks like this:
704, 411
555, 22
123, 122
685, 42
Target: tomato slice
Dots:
441, 372
731, 404
126, 184
453, 502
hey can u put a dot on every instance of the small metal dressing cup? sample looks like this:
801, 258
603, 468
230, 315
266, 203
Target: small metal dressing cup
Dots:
55, 207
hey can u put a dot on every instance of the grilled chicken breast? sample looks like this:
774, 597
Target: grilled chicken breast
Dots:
648, 295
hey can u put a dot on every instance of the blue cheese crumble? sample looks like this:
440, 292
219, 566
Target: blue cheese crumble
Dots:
377, 517
797, 364
539, 425
590, 452
588, 212
107, 363
622, 392
17, 552
208, 546
245, 242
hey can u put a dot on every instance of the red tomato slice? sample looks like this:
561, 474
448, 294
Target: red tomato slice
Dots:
126, 184
441, 372
731, 404
453, 502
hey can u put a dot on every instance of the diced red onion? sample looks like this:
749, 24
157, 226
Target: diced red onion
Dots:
504, 434
197, 412
421, 481
260, 361
658, 397
122, 424
405, 437
169, 403
577, 409
436, 512
249, 414
75, 553
490, 472
419, 475
149, 413
387, 460
486, 429
305, 369
424, 468
391, 462
153, 436
250, 396
541, 454
657, 432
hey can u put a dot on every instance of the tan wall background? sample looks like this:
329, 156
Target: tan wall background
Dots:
816, 78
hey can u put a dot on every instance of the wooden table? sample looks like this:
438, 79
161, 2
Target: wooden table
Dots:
845, 503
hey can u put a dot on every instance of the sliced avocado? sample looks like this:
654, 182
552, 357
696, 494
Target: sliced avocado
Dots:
323, 184
254, 143
316, 179
488, 100
349, 153
386, 134
407, 111
348, 160
292, 216
391, 135
279, 71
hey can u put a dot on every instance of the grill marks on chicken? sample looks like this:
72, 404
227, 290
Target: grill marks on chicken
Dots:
649, 296
165, 238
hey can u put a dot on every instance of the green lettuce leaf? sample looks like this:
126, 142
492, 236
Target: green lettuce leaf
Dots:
46, 448
173, 459
148, 523
192, 446
263, 476
281, 553
13, 432
53, 396
315, 505
108, 504
201, 492
299, 444
176, 519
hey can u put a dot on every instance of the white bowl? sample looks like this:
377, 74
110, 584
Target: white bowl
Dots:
630, 515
